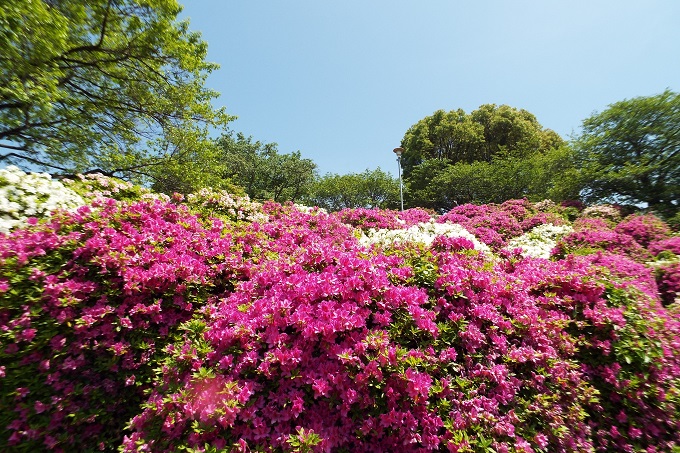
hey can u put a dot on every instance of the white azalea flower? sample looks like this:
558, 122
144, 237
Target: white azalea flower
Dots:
235, 207
540, 241
422, 233
24, 195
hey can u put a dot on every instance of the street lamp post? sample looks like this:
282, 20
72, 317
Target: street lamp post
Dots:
399, 152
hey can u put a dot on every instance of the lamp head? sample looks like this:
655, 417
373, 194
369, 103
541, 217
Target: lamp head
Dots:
398, 151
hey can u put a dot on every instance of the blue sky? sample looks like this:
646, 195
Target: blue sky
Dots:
342, 81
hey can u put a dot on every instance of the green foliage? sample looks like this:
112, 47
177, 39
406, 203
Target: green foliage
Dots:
112, 86
674, 222
514, 131
489, 156
456, 184
261, 170
192, 171
303, 441
450, 136
423, 186
457, 137
370, 189
555, 175
440, 185
630, 153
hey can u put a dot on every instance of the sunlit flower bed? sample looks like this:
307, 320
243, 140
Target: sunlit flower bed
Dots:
139, 322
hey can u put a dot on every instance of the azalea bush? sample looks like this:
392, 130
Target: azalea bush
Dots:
221, 203
672, 245
24, 195
541, 240
644, 228
421, 233
89, 300
140, 322
668, 276
383, 218
96, 185
603, 211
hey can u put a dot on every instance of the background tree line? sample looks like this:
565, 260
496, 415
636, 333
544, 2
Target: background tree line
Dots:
118, 87
627, 154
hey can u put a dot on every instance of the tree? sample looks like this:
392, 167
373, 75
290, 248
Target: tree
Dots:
514, 132
191, 171
115, 86
446, 136
370, 189
493, 154
630, 153
261, 170
458, 137
424, 187
439, 185
288, 176
555, 175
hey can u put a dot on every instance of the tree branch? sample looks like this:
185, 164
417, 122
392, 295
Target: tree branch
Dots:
16, 148
13, 105
100, 41
17, 130
29, 159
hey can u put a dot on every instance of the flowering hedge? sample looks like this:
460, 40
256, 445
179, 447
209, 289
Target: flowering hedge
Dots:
31, 195
144, 323
88, 301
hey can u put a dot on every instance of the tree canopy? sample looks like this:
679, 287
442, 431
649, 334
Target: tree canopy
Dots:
115, 86
455, 136
261, 170
630, 153
440, 185
369, 189
490, 155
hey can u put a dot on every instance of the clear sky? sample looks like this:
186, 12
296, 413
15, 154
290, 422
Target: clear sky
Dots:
342, 81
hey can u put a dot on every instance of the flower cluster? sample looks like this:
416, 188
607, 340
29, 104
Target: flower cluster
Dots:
592, 223
672, 244
545, 206
383, 219
495, 225
589, 240
421, 233
540, 241
223, 204
603, 211
668, 276
24, 195
153, 325
95, 185
625, 271
339, 344
644, 228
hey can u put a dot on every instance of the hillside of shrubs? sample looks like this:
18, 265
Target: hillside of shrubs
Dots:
136, 322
